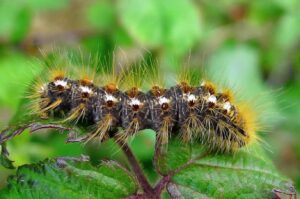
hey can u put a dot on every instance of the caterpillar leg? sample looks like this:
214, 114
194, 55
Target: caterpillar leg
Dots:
190, 129
132, 128
164, 133
162, 136
76, 113
102, 129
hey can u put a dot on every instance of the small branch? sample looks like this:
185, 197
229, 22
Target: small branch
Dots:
161, 185
7, 134
166, 179
147, 188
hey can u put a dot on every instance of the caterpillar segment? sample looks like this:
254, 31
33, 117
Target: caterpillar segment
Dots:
163, 114
135, 113
188, 104
194, 113
55, 97
107, 115
84, 96
224, 131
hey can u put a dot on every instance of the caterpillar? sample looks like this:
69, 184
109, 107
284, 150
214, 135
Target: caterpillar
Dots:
119, 108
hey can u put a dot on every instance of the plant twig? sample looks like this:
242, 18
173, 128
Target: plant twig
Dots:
161, 185
7, 134
147, 188
167, 178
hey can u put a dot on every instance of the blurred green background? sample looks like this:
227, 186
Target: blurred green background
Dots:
253, 46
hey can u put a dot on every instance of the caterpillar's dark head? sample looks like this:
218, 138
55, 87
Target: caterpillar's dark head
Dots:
56, 96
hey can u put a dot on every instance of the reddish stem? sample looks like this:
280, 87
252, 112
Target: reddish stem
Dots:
147, 188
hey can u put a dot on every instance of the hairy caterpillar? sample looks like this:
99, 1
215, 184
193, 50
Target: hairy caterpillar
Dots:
119, 108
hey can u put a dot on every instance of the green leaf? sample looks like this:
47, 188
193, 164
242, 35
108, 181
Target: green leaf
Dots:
62, 179
174, 25
15, 20
247, 174
47, 4
264, 11
143, 140
4, 160
16, 73
22, 21
237, 65
288, 5
101, 15
287, 33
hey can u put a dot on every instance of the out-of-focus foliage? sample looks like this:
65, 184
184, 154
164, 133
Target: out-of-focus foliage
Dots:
166, 24
253, 46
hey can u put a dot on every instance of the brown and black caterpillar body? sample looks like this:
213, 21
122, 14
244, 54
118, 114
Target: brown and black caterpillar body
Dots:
193, 113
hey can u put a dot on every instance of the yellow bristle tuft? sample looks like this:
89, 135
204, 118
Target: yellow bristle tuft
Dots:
51, 106
76, 114
36, 91
133, 78
184, 76
111, 82
157, 91
58, 67
249, 120
35, 95
209, 86
228, 95
110, 77
86, 75
189, 75
155, 77
57, 74
163, 133
131, 130
102, 129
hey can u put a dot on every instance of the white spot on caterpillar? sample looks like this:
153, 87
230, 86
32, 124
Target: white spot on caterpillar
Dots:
227, 106
109, 97
85, 89
163, 100
135, 101
191, 98
62, 83
212, 99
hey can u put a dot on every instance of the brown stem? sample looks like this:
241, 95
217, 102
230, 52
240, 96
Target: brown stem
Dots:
161, 185
7, 134
166, 179
147, 188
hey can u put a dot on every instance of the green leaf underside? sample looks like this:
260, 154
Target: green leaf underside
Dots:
74, 180
246, 174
